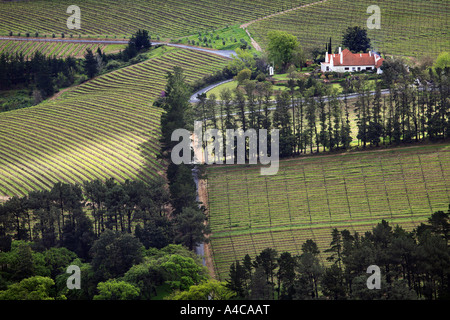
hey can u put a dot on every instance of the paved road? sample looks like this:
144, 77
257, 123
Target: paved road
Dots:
224, 53
200, 247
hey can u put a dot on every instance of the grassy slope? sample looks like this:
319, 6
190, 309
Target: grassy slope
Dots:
309, 196
407, 28
99, 129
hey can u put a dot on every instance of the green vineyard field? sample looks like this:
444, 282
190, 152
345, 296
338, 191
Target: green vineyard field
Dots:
310, 196
408, 28
122, 18
104, 128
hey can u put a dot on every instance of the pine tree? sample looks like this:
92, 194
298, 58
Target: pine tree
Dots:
176, 106
90, 64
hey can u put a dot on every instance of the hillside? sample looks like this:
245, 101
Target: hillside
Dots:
408, 28
106, 127
164, 18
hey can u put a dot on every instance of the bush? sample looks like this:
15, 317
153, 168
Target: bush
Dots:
80, 79
137, 59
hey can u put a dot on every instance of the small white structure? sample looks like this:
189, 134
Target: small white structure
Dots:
346, 61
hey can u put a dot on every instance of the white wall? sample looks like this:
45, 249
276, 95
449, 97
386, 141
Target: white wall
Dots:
342, 68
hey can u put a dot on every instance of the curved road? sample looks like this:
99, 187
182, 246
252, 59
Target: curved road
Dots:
194, 99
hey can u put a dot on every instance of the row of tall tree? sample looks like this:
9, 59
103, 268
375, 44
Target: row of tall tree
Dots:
311, 115
413, 265
40, 71
178, 114
73, 216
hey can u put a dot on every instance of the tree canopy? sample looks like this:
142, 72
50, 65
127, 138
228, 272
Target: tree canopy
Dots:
281, 48
355, 39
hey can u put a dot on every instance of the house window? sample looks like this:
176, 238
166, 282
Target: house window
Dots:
369, 68
359, 68
346, 68
328, 68
353, 68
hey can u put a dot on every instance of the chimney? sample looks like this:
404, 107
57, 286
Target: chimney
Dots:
341, 54
340, 50
370, 53
326, 57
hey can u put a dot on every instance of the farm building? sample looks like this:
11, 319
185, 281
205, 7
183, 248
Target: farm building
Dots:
346, 61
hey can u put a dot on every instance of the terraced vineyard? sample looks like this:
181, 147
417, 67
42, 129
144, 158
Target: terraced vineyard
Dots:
408, 28
103, 128
58, 49
107, 17
309, 196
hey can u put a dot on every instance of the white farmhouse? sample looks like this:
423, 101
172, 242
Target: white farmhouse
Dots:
346, 61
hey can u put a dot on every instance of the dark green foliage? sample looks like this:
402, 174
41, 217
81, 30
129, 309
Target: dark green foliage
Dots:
138, 42
182, 188
114, 253
175, 103
190, 227
260, 288
237, 280
90, 64
158, 232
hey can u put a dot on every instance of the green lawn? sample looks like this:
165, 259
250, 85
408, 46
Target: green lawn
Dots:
228, 38
217, 90
232, 86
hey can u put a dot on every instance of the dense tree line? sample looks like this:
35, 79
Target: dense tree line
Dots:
413, 265
40, 71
